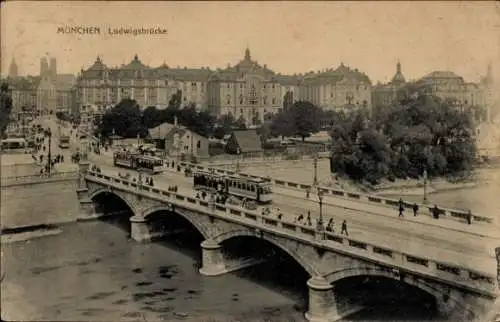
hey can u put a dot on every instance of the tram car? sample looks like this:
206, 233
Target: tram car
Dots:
138, 161
257, 190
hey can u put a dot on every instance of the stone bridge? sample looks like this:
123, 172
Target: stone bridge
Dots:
460, 294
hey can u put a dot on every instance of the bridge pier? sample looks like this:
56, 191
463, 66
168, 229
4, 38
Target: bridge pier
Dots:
212, 258
140, 231
322, 304
214, 261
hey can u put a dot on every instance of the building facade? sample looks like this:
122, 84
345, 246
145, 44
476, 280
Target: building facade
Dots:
105, 86
342, 88
387, 94
48, 92
443, 84
247, 90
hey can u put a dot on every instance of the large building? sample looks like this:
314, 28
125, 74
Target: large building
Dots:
335, 89
105, 86
246, 90
444, 84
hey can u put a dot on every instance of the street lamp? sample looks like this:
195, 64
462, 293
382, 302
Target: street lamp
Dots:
315, 164
425, 186
320, 220
48, 134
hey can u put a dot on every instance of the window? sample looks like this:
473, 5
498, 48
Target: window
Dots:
198, 145
241, 99
228, 85
274, 101
193, 84
241, 85
264, 100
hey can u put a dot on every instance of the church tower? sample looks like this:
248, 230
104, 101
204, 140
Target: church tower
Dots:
44, 67
53, 68
13, 71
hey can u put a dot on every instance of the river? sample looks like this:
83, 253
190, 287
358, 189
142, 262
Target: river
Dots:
92, 271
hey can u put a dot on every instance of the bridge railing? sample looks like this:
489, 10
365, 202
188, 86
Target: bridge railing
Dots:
395, 260
444, 213
27, 179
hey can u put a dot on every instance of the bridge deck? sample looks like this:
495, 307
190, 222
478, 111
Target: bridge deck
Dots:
434, 243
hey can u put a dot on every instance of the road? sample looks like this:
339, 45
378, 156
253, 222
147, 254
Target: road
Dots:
458, 247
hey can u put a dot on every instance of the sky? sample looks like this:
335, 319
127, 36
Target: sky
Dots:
290, 37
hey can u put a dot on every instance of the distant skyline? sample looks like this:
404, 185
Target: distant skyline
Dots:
289, 37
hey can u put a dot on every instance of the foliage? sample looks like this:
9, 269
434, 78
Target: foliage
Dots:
5, 108
264, 132
301, 119
421, 133
124, 119
287, 100
225, 125
127, 120
240, 123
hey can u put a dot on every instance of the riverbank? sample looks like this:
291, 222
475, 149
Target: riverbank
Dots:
33, 233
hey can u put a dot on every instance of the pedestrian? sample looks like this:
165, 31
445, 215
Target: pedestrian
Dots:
344, 228
401, 208
308, 193
469, 217
309, 218
415, 209
435, 212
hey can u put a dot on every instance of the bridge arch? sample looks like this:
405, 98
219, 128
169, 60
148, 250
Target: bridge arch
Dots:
440, 296
100, 191
310, 269
196, 224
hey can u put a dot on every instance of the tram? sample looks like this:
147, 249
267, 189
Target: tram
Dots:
257, 190
64, 142
138, 161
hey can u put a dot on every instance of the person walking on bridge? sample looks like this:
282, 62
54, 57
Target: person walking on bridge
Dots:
415, 209
401, 208
344, 228
469, 217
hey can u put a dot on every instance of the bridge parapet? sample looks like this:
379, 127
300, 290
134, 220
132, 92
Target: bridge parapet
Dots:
30, 179
468, 278
445, 213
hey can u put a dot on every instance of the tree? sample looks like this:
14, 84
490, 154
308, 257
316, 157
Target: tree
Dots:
152, 117
124, 119
264, 131
282, 125
305, 118
420, 133
241, 123
5, 108
287, 100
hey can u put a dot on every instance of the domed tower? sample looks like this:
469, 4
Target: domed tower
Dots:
398, 78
